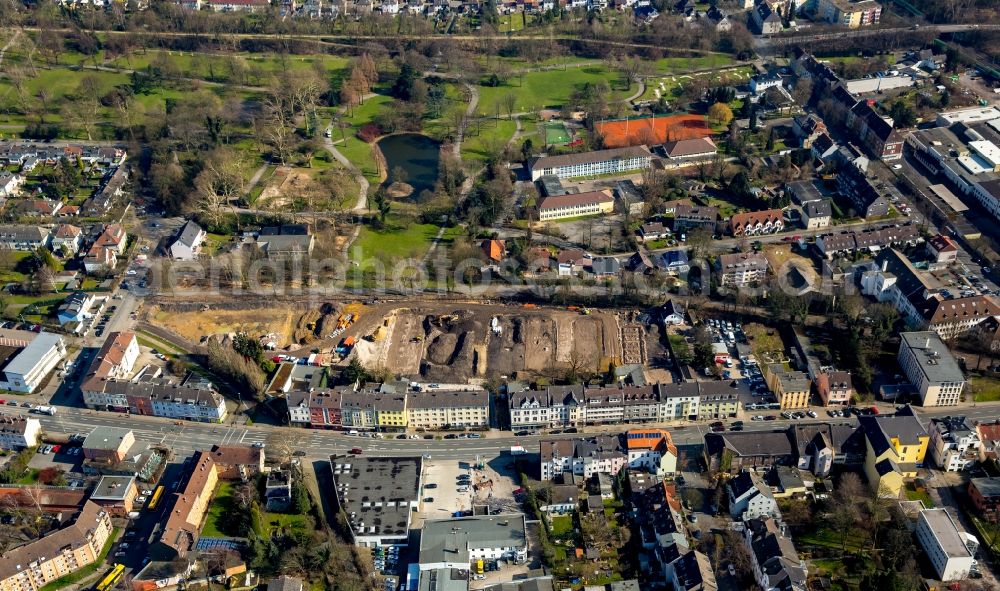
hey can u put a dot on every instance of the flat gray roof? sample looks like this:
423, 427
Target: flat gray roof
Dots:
450, 539
945, 532
105, 438
933, 356
444, 579
112, 488
376, 493
28, 358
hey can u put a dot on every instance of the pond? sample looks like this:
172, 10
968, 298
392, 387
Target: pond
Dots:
416, 155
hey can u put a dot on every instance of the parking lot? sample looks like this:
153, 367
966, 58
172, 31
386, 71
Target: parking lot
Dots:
441, 497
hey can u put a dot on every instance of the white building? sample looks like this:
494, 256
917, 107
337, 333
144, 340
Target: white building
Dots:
930, 367
19, 432
750, 497
954, 443
25, 370
945, 544
458, 543
591, 163
187, 246
581, 457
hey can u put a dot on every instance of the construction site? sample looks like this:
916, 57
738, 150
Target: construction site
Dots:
464, 343
448, 342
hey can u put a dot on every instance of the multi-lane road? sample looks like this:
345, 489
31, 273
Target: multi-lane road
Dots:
185, 437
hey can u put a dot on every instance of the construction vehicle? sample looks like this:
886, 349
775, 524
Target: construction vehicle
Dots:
529, 306
573, 308
585, 311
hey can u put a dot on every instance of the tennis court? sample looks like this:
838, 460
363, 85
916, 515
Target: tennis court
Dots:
653, 130
554, 132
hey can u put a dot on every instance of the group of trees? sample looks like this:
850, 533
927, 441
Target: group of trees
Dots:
244, 373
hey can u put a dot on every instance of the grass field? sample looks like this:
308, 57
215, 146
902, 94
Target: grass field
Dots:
219, 511
670, 86
984, 389
358, 152
671, 65
475, 147
401, 239
551, 88
562, 526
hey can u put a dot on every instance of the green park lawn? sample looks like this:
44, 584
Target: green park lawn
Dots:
475, 146
670, 65
550, 89
402, 238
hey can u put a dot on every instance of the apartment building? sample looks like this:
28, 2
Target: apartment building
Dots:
570, 205
618, 160
739, 269
77, 545
17, 432
24, 238
449, 410
652, 450
864, 194
817, 214
791, 388
108, 444
896, 446
689, 217
579, 405
186, 510
750, 497
774, 561
850, 14
985, 496
581, 457
954, 443
846, 243
834, 388
920, 298
930, 367
318, 409
945, 544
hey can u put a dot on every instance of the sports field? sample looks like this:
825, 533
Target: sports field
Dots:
555, 133
653, 130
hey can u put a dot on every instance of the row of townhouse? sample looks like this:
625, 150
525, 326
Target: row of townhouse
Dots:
589, 405
848, 243
29, 155
347, 408
109, 385
756, 223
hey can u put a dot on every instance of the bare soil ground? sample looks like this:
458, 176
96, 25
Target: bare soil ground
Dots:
459, 344
280, 320
283, 186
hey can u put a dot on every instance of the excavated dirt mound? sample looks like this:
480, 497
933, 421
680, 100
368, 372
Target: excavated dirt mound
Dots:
442, 349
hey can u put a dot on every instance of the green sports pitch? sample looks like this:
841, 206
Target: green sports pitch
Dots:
554, 132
